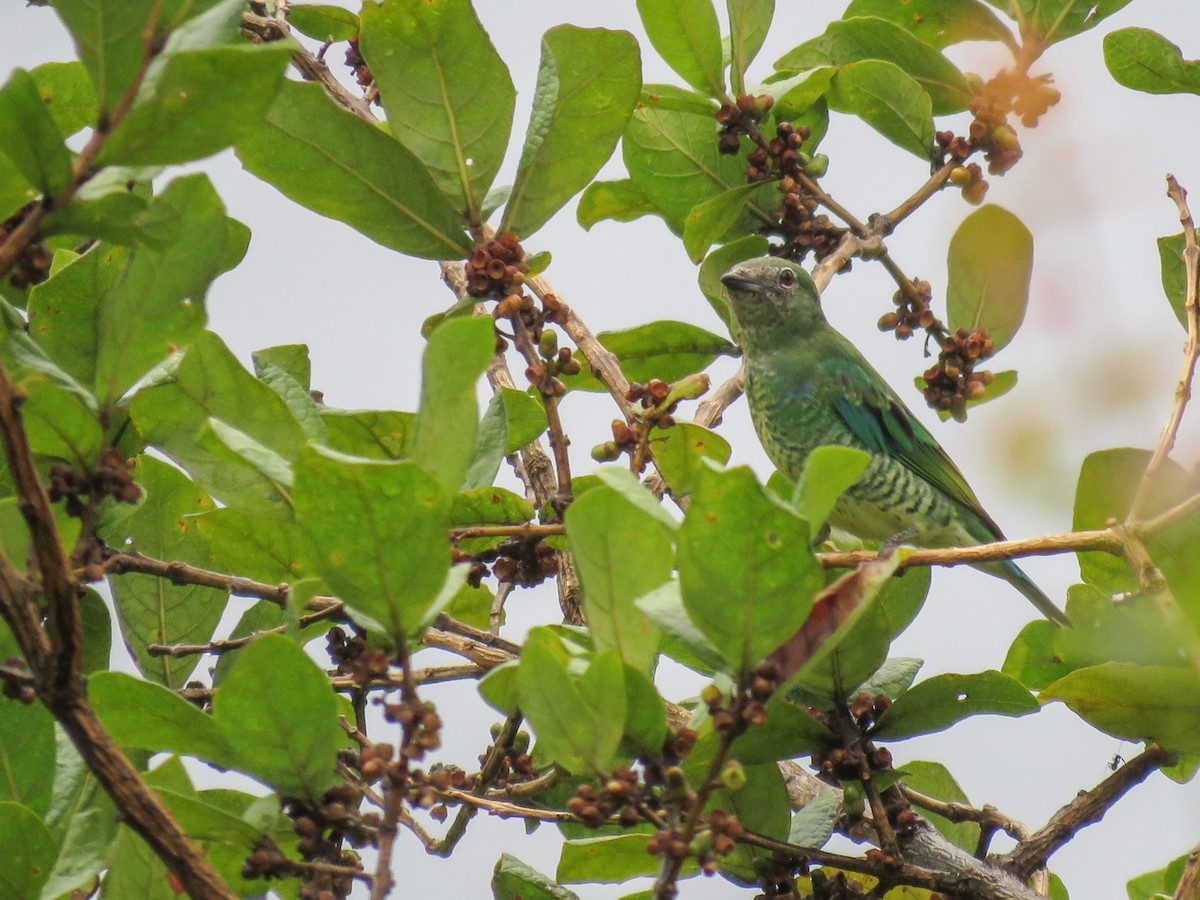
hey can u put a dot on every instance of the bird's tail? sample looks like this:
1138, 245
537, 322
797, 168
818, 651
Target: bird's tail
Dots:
1011, 572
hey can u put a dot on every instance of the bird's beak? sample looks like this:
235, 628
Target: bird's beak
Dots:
738, 282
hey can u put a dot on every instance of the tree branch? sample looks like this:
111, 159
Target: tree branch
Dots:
1090, 806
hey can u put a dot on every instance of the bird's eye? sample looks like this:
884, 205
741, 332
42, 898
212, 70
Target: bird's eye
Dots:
787, 278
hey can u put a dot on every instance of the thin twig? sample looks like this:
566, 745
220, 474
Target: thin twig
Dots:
519, 532
1090, 806
1183, 390
961, 812
120, 562
501, 747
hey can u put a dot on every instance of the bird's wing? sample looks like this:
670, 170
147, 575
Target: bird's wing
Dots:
879, 418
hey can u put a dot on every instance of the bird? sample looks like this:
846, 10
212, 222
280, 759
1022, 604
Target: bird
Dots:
808, 386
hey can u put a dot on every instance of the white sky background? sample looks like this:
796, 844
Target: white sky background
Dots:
1098, 358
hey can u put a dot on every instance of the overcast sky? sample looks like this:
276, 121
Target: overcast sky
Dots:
1098, 357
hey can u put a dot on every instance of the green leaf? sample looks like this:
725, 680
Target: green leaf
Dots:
989, 264
154, 610
448, 95
570, 729
28, 850
279, 718
829, 472
197, 99
186, 417
813, 825
1134, 632
938, 702
854, 40
322, 22
1174, 274
859, 647
239, 544
1107, 483
745, 568
15, 190
938, 23
720, 261
602, 688
1150, 703
602, 526
26, 752
789, 731
108, 36
607, 860
513, 420
295, 396
680, 452
1158, 884
147, 716
687, 36
1031, 658
157, 304
1049, 21
667, 350
513, 880
30, 138
339, 166
59, 424
291, 358
444, 431
134, 870
762, 806
588, 82
934, 780
712, 220
375, 434
381, 530
889, 100
672, 159
892, 678
681, 639
68, 94
645, 713
749, 21
621, 201
680, 99
108, 209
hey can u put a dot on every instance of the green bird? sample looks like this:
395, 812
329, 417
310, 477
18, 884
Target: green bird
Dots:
808, 387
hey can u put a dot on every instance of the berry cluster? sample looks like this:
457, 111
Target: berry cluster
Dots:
731, 716
421, 724
497, 268
110, 478
526, 562
912, 311
658, 401
33, 267
952, 381
839, 886
621, 792
345, 652
555, 360
782, 159
517, 765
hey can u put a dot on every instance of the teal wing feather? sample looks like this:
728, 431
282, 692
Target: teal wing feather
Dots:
878, 417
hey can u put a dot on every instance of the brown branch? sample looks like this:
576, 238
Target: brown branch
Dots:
1046, 545
119, 562
491, 770
1090, 806
1183, 390
558, 437
1189, 881
518, 532
988, 817
887, 222
267, 28
218, 647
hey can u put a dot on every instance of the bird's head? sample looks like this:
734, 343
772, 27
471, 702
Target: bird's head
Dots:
770, 294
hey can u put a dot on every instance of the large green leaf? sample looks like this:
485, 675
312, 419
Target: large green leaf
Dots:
68, 94
937, 703
339, 166
201, 94
680, 452
1174, 274
1145, 703
713, 220
375, 434
28, 850
240, 545
321, 21
29, 136
513, 420
1053, 20
853, 40
446, 424
186, 417
889, 100
749, 21
761, 805
147, 716
588, 82
448, 95
1144, 60
827, 474
666, 350
26, 750
514, 880
109, 36
381, 532
59, 423
157, 305
602, 526
154, 610
938, 23
745, 568
278, 716
673, 160
687, 35
990, 263
620, 201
